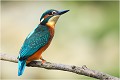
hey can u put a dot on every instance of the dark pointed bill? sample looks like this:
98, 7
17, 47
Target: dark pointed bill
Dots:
62, 12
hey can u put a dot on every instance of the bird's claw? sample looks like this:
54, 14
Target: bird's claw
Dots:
43, 61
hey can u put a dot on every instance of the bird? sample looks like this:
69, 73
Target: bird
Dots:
39, 39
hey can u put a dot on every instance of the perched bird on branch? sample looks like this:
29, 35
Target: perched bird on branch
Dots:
39, 39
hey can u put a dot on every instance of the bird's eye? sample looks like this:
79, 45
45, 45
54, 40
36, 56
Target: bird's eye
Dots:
54, 12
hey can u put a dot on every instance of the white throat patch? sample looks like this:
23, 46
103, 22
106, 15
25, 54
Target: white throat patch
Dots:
52, 21
54, 18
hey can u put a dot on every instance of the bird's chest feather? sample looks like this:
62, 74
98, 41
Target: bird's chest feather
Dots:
37, 54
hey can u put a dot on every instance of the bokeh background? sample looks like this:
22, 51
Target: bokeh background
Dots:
86, 35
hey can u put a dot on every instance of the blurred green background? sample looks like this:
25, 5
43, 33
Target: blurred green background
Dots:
86, 35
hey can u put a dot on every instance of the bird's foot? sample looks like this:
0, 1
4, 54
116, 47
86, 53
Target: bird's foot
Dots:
43, 61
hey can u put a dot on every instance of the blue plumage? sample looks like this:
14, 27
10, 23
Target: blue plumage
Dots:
39, 39
21, 67
35, 40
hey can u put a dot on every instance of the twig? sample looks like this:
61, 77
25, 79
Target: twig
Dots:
70, 68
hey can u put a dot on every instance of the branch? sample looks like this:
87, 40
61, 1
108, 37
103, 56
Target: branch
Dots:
70, 68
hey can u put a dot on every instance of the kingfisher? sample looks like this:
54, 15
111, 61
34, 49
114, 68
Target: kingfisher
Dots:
39, 39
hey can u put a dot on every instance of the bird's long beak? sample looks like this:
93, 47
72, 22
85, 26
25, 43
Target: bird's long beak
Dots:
62, 12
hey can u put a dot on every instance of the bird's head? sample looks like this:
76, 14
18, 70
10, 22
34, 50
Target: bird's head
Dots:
51, 16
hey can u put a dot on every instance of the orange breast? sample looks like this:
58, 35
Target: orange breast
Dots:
37, 55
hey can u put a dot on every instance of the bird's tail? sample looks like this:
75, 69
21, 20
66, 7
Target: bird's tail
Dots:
21, 66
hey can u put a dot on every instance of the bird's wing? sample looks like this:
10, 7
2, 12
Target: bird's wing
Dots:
35, 40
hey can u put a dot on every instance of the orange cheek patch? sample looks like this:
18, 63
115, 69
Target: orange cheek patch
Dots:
46, 16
